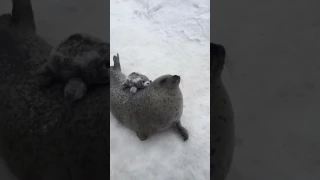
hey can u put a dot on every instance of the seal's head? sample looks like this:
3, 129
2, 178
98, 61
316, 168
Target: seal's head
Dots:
218, 54
138, 80
143, 81
168, 83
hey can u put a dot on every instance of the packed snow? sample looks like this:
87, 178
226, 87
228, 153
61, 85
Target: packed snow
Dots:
157, 37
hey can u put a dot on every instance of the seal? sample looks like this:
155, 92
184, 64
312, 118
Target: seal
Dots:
152, 109
6, 20
42, 135
222, 122
136, 81
80, 60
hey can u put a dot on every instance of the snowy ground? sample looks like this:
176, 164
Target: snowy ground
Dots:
157, 37
274, 51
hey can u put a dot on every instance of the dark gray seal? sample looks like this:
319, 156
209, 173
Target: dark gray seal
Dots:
79, 61
42, 136
222, 123
136, 81
152, 109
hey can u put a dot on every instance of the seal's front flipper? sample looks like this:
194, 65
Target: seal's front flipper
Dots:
116, 61
75, 89
142, 136
183, 131
133, 89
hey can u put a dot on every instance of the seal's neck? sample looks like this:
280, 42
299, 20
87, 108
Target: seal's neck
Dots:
22, 14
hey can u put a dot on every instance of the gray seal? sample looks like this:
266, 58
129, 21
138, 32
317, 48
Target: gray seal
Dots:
152, 109
221, 114
79, 61
43, 136
136, 81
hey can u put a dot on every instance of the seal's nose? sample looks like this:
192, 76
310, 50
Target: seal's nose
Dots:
176, 77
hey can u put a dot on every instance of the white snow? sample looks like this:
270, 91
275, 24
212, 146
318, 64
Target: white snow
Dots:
157, 37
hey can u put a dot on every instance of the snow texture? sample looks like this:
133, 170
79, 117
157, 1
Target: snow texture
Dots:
157, 37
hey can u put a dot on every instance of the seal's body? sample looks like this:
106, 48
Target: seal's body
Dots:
43, 136
152, 109
136, 81
78, 58
222, 123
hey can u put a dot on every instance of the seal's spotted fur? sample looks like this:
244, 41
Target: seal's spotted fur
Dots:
155, 108
79, 56
136, 81
43, 136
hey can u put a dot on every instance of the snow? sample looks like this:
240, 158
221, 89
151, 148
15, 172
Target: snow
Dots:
157, 37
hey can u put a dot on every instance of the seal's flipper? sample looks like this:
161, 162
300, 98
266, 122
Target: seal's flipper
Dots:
22, 15
75, 89
133, 89
142, 136
116, 61
6, 20
183, 131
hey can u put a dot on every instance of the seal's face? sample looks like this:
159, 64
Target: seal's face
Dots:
144, 81
167, 82
138, 80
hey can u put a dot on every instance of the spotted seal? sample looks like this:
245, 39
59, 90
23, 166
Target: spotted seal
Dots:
152, 109
136, 81
222, 131
78, 61
42, 136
